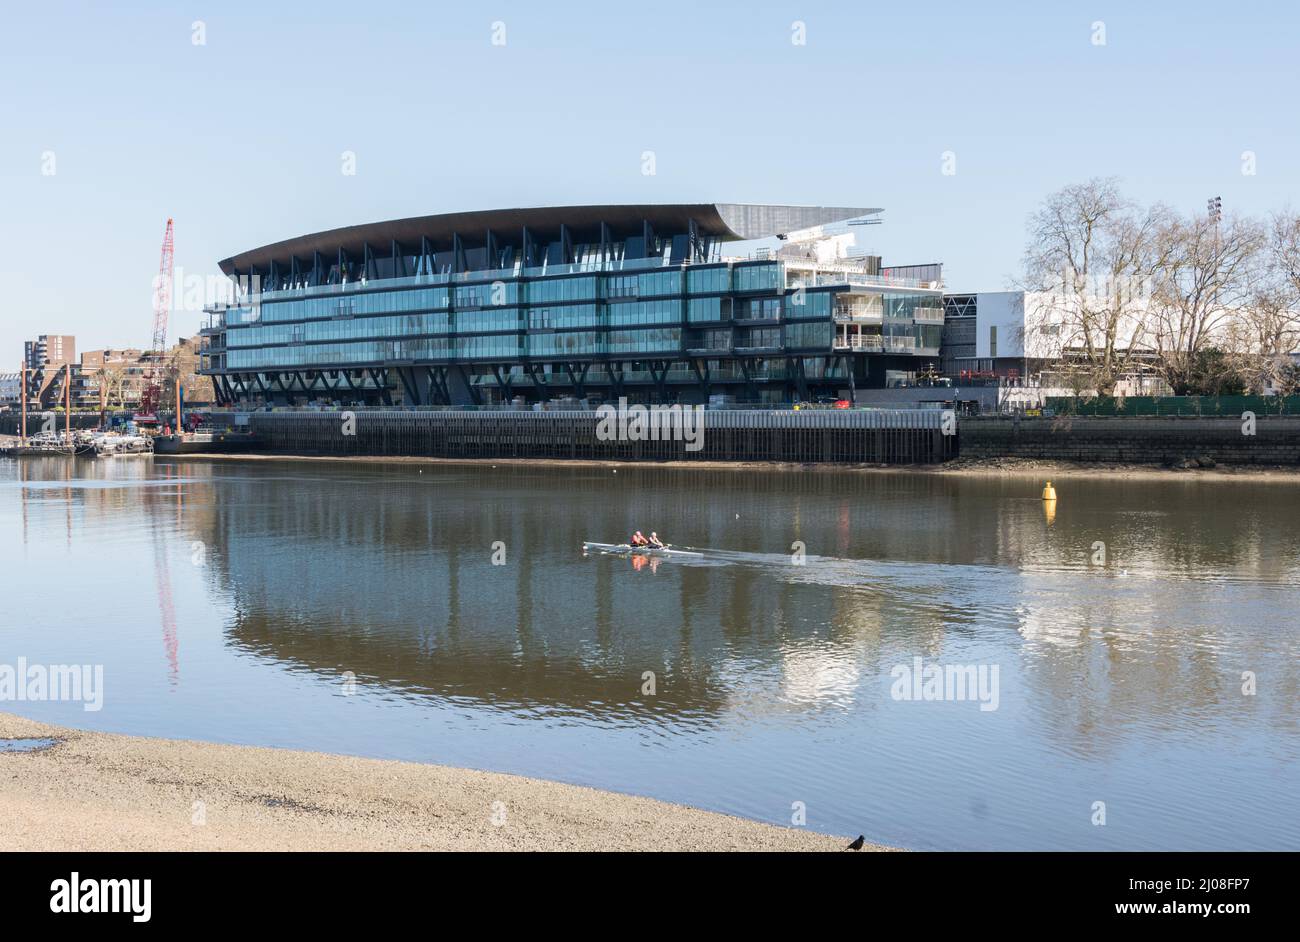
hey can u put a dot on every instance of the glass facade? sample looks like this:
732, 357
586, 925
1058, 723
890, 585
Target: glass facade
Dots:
662, 340
741, 321
372, 302
763, 276
804, 336
608, 313
709, 280
272, 335
703, 310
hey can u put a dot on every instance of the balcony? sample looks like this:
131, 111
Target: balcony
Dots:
848, 315
864, 343
928, 315
812, 273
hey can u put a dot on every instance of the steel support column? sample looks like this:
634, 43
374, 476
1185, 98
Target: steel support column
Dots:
407, 375
579, 381
704, 375
502, 376
475, 394
380, 378
438, 389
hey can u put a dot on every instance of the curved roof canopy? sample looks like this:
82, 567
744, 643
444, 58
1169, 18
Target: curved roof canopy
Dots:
727, 222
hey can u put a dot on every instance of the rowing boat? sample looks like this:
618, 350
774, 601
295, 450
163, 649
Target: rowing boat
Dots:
628, 549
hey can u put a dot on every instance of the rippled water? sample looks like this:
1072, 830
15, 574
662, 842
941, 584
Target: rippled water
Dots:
356, 609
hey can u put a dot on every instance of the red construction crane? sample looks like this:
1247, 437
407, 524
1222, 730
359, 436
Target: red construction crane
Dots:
162, 302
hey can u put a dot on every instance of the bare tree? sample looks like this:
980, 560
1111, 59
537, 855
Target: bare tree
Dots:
1262, 340
1284, 254
1092, 254
1267, 336
111, 380
1210, 274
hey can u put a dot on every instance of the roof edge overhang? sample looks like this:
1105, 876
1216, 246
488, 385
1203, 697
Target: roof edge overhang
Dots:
728, 222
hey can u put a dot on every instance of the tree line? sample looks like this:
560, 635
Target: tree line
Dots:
1208, 303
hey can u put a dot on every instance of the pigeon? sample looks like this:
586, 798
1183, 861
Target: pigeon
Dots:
857, 845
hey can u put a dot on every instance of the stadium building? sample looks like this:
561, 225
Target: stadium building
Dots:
589, 302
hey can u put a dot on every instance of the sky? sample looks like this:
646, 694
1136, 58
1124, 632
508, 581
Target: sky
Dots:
234, 118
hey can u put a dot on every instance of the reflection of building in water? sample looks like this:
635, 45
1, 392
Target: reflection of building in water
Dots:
388, 573
808, 669
816, 674
1104, 652
160, 509
396, 584
96, 496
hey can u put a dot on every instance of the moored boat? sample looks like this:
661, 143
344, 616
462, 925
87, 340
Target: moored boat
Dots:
205, 440
107, 445
38, 445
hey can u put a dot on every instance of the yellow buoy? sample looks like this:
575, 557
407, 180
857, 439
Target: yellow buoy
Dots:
1049, 492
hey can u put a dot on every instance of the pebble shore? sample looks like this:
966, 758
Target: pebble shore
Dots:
96, 791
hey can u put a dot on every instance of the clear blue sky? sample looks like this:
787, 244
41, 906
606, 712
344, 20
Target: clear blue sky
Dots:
240, 139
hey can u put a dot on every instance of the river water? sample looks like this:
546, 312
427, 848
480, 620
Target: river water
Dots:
1138, 647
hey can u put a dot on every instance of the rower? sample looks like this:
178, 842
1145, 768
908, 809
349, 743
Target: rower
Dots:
655, 541
638, 539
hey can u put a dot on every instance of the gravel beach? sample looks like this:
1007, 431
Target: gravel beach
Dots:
98, 791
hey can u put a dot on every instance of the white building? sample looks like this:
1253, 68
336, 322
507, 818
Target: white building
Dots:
985, 336
1013, 339
1017, 333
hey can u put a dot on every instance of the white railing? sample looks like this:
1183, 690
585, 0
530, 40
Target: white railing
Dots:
858, 343
859, 317
831, 273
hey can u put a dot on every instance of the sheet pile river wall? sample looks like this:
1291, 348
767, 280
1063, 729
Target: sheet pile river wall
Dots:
1273, 440
851, 437
878, 437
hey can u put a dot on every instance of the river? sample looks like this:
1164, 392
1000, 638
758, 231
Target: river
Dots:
1136, 649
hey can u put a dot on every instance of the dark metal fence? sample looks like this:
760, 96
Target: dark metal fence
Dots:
1225, 406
